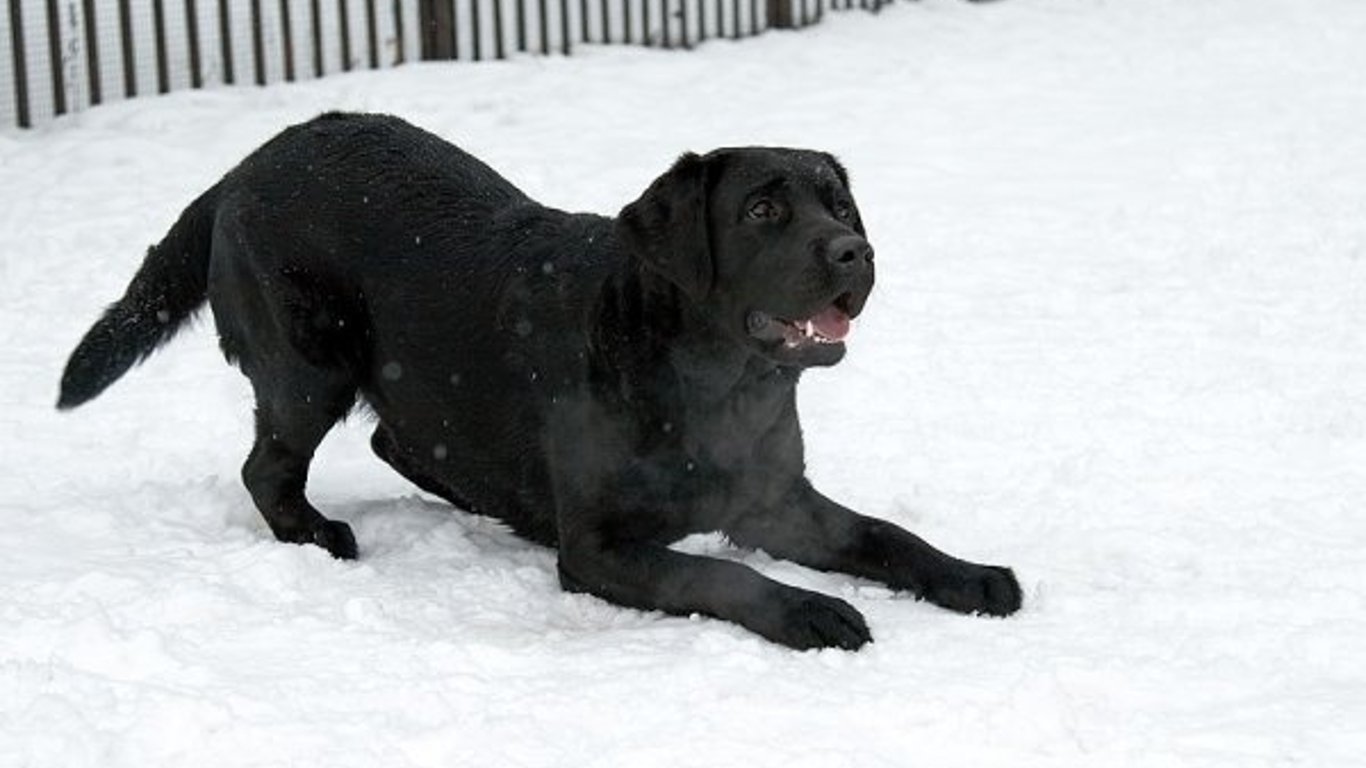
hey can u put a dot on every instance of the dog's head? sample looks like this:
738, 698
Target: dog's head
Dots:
766, 242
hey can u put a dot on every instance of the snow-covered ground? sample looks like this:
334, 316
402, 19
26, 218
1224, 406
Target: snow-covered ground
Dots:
1119, 343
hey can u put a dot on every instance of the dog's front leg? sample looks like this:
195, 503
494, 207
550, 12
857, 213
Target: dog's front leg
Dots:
650, 576
812, 530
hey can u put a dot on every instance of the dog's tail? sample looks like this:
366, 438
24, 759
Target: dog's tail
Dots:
169, 286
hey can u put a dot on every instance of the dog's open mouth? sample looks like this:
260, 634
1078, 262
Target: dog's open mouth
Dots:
828, 326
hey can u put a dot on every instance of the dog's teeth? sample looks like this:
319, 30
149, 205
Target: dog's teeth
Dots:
810, 329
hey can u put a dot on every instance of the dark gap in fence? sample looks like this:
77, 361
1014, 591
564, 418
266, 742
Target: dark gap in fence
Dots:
645, 23
606, 22
258, 48
584, 37
400, 46
498, 51
54, 57
344, 20
701, 20
192, 38
224, 40
372, 33
735, 17
16, 38
92, 52
626, 20
287, 39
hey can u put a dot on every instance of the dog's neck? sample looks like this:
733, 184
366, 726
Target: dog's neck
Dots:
649, 328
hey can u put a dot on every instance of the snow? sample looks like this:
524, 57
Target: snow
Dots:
1118, 343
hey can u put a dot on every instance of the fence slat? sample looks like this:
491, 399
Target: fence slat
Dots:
498, 51
16, 34
159, 45
224, 40
92, 52
192, 35
344, 21
372, 33
521, 25
287, 39
258, 48
54, 57
545, 24
315, 25
455, 30
565, 40
474, 23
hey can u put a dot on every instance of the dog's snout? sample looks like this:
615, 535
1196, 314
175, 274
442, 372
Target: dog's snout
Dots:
849, 252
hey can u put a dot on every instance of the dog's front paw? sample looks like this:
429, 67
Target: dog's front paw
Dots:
336, 537
971, 588
805, 620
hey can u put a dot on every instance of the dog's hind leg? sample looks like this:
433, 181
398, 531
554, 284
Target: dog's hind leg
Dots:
295, 341
294, 410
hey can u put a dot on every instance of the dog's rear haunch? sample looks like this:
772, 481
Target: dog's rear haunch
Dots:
603, 385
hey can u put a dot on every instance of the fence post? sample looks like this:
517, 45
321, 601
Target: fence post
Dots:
780, 14
436, 18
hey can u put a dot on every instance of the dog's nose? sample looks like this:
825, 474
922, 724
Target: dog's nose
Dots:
849, 253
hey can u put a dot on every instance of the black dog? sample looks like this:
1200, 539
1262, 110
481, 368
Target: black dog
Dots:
603, 385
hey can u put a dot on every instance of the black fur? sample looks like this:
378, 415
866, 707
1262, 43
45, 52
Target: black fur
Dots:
602, 385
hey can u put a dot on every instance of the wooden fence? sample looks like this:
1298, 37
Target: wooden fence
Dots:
65, 55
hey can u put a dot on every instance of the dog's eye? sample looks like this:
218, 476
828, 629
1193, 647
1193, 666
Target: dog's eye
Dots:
762, 209
843, 212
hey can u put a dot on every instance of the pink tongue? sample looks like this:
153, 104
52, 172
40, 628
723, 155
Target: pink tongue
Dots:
832, 323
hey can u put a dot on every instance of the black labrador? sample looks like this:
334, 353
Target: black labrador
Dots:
604, 386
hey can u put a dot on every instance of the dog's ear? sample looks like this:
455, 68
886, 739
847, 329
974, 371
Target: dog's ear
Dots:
838, 168
667, 227
843, 176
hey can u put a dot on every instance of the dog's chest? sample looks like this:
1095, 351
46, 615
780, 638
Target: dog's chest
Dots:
723, 457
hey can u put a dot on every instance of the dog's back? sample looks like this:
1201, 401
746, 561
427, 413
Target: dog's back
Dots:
357, 256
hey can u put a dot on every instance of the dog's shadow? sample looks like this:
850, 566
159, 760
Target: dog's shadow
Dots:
417, 527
